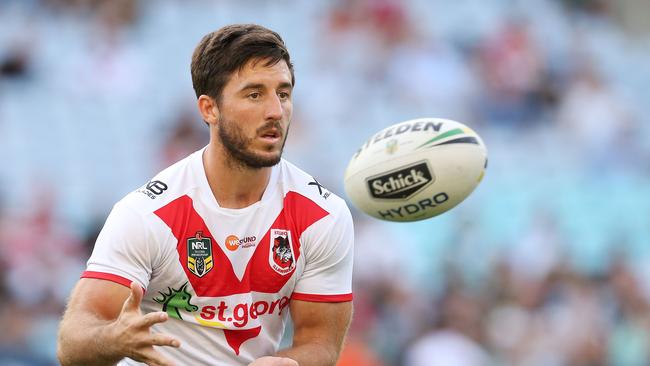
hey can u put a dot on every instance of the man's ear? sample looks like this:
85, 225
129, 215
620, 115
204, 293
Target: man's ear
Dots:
208, 109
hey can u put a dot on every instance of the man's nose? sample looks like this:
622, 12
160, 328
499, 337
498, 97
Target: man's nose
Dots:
274, 108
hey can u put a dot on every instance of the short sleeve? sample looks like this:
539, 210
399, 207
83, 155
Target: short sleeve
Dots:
122, 252
328, 246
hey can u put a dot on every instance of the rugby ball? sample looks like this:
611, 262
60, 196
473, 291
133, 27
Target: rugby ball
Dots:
415, 169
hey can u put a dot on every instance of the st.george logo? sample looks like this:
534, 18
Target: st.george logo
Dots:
199, 254
281, 257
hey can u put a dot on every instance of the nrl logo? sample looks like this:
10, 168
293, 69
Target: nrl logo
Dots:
281, 257
199, 254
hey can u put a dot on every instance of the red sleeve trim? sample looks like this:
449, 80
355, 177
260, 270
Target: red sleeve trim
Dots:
107, 276
322, 298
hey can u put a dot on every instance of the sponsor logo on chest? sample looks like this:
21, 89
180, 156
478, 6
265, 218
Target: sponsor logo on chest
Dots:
233, 242
211, 312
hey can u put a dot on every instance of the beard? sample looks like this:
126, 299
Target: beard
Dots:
238, 147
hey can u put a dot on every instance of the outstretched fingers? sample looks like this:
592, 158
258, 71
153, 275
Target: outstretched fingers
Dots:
153, 318
132, 333
144, 350
158, 339
153, 358
132, 303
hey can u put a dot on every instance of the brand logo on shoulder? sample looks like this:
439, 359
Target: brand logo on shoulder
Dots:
153, 188
233, 242
281, 257
321, 190
199, 254
400, 183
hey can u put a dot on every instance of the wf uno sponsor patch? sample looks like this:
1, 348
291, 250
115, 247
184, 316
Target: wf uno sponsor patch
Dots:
233, 242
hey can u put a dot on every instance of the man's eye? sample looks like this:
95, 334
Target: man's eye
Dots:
254, 95
283, 95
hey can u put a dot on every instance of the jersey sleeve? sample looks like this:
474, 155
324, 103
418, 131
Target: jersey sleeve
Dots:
327, 276
122, 252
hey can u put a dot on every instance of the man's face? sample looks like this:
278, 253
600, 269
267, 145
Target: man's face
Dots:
255, 112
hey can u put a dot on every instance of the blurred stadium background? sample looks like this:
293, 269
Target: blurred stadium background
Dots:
547, 263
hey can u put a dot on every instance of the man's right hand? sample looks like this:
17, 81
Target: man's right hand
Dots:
103, 324
132, 335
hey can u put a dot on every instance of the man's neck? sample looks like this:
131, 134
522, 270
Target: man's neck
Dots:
233, 185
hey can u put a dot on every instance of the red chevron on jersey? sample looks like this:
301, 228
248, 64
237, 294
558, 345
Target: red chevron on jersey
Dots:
297, 215
235, 338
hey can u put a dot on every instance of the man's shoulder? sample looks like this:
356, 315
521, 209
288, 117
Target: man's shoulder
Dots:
174, 181
298, 181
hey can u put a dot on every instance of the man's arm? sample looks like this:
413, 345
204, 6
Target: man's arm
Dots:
319, 331
103, 324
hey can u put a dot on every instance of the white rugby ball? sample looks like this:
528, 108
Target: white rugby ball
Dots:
415, 169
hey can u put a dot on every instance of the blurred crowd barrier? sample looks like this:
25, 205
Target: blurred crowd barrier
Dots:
547, 263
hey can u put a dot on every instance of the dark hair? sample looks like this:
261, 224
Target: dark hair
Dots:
228, 49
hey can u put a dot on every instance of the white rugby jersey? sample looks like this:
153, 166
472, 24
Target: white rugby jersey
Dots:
226, 276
